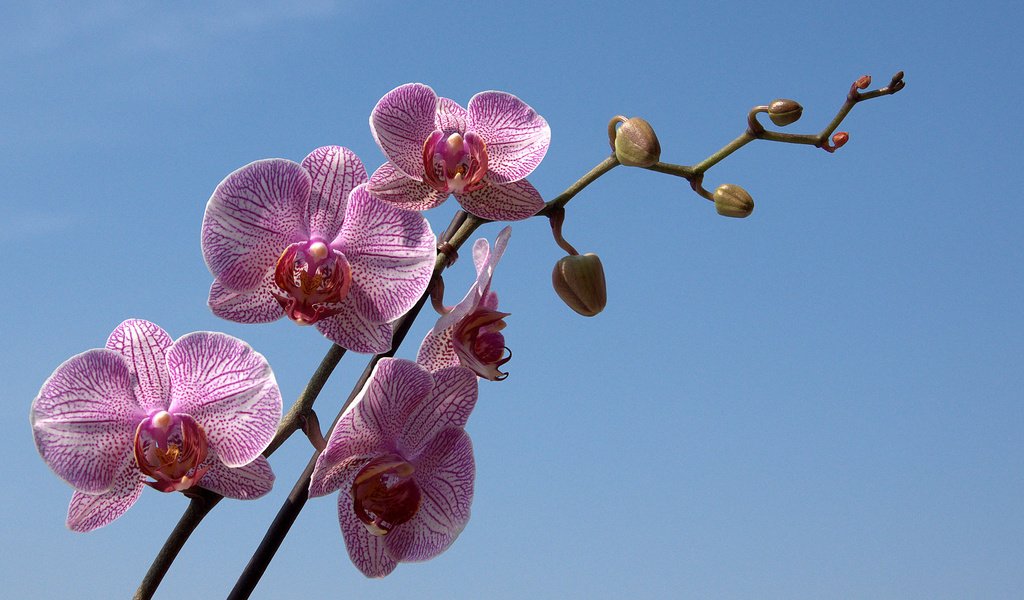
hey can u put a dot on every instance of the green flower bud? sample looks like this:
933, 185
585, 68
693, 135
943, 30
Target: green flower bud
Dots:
784, 112
636, 144
733, 201
579, 282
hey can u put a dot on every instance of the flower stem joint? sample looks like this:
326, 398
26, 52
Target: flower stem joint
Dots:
579, 282
634, 142
733, 201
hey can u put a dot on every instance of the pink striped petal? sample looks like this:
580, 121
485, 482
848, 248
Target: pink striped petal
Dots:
517, 138
503, 202
401, 121
449, 404
485, 262
144, 344
445, 474
255, 306
253, 214
450, 118
436, 351
366, 551
229, 389
330, 475
92, 511
391, 253
397, 189
84, 419
242, 483
335, 171
349, 329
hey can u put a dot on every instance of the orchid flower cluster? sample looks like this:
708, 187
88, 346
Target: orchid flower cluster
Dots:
325, 244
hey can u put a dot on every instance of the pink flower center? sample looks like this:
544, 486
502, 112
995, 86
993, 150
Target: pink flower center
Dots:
311, 276
384, 494
479, 344
454, 164
170, 449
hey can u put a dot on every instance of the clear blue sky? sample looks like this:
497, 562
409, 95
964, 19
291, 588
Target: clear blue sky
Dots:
820, 401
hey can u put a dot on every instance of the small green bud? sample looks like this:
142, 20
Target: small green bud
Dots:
784, 112
579, 282
733, 201
636, 144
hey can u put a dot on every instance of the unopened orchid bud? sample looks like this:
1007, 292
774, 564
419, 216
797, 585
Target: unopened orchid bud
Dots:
579, 282
636, 144
733, 201
784, 111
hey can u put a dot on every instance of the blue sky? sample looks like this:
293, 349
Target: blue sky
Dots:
820, 401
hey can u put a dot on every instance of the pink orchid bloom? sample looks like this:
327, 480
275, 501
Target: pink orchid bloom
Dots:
198, 410
403, 463
481, 154
470, 335
308, 241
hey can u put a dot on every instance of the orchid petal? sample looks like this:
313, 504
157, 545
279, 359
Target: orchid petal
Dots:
401, 121
92, 511
255, 306
485, 262
391, 253
229, 389
449, 404
396, 188
367, 551
330, 476
253, 214
335, 171
436, 351
351, 330
143, 345
517, 138
243, 483
505, 202
84, 419
450, 118
444, 473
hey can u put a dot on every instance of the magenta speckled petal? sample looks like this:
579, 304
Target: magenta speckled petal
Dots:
366, 551
450, 118
391, 253
449, 404
253, 214
350, 330
229, 390
255, 306
503, 202
144, 345
335, 172
517, 138
401, 121
485, 261
84, 419
436, 351
330, 476
397, 189
243, 483
92, 511
444, 473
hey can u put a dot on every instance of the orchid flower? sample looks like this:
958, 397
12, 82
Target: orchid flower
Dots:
403, 464
196, 411
481, 154
308, 241
470, 334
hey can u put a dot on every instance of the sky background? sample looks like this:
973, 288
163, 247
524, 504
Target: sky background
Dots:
820, 401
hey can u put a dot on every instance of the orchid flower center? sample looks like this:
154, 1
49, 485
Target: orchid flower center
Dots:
384, 494
479, 344
454, 164
311, 276
170, 449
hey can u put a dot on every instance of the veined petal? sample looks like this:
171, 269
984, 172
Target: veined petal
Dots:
391, 253
449, 404
503, 202
92, 511
450, 118
229, 389
335, 172
445, 474
255, 306
396, 188
349, 329
436, 351
485, 261
401, 121
144, 345
366, 551
84, 419
253, 214
331, 475
517, 137
243, 483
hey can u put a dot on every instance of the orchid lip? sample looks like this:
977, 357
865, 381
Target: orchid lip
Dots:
171, 449
385, 494
311, 276
454, 163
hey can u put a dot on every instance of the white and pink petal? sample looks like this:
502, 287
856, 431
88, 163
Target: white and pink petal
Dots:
335, 171
367, 551
144, 345
401, 121
349, 329
242, 483
436, 351
503, 202
517, 137
449, 404
396, 188
450, 118
87, 512
255, 306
